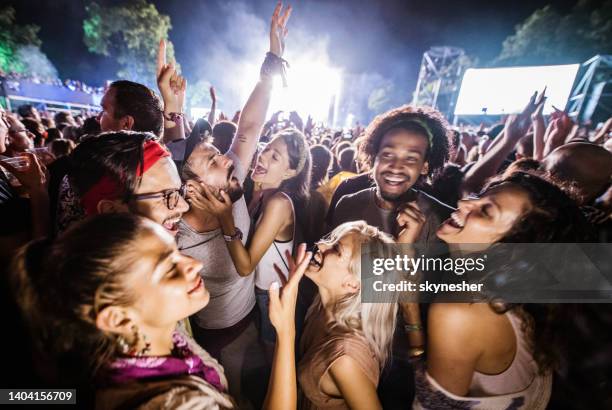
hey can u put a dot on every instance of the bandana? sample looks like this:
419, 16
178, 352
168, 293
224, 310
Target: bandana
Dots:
109, 188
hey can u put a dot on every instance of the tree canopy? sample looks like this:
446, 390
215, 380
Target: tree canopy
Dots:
12, 38
130, 33
549, 37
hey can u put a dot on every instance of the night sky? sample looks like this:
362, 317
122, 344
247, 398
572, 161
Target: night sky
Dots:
386, 38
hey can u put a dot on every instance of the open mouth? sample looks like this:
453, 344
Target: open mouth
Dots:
317, 258
172, 224
455, 221
198, 286
259, 170
395, 179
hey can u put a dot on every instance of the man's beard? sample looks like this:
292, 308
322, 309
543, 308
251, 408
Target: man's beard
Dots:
234, 190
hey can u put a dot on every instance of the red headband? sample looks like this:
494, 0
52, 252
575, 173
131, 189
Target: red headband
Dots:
108, 188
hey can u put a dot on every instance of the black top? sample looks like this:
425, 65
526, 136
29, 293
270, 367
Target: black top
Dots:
14, 210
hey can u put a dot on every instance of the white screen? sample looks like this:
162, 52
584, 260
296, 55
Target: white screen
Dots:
507, 90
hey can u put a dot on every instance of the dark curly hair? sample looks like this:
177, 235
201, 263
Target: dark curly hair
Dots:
408, 117
554, 217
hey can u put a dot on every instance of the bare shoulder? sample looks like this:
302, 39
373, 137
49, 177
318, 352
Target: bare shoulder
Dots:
279, 202
345, 367
451, 323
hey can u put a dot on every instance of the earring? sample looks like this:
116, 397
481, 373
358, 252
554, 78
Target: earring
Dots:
124, 347
137, 337
129, 348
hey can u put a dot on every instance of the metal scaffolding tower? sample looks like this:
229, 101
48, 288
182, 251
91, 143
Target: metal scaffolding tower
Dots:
591, 98
440, 78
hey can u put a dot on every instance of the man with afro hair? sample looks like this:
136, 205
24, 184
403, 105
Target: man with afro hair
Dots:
404, 147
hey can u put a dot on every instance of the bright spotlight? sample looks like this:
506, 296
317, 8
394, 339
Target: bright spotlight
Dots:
313, 89
199, 112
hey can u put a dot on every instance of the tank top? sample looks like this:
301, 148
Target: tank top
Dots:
520, 386
320, 347
265, 273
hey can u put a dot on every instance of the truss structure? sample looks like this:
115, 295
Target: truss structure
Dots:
591, 97
440, 78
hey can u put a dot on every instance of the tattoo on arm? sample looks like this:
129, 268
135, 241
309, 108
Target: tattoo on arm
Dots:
241, 138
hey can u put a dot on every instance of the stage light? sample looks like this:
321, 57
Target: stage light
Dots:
313, 89
496, 91
199, 112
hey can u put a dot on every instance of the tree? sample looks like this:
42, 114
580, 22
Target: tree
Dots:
130, 33
549, 37
12, 38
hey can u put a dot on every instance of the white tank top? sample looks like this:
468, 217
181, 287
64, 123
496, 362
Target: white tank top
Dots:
265, 273
519, 387
517, 376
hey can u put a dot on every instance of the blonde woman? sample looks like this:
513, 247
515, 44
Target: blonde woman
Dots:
345, 342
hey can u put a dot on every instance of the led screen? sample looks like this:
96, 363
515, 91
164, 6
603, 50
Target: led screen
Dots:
498, 91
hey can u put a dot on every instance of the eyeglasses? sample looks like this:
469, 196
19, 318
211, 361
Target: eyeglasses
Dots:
171, 196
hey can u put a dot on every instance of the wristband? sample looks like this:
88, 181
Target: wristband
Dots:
236, 236
274, 65
412, 327
175, 117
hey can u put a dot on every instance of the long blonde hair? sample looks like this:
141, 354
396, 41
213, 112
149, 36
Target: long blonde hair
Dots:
376, 321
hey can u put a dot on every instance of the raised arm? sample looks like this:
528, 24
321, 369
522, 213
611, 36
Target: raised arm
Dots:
33, 178
213, 106
557, 133
516, 127
282, 387
600, 137
539, 128
254, 112
172, 88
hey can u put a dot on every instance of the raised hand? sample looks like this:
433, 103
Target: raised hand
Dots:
524, 117
213, 94
539, 106
410, 219
283, 301
278, 29
30, 172
172, 86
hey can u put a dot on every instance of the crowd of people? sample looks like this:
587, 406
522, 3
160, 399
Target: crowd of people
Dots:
154, 262
13, 79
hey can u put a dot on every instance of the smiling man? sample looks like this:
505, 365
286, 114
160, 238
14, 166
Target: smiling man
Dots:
128, 172
404, 146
